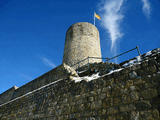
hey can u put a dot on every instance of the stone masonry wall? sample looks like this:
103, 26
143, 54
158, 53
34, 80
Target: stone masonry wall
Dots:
82, 41
59, 72
130, 94
7, 95
45, 79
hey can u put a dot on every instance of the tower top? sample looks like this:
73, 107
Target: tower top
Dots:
82, 41
84, 23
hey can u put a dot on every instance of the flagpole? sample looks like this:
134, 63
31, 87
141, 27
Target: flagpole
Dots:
94, 18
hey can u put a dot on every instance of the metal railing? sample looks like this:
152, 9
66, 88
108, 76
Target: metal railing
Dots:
80, 63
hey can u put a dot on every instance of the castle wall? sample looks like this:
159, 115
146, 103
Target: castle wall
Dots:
51, 76
130, 94
6, 96
45, 79
82, 41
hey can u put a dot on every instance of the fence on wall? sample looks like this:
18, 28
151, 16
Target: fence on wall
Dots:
86, 61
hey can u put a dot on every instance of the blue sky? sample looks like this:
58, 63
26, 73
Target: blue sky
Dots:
32, 32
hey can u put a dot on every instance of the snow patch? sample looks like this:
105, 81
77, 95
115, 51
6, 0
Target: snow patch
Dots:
86, 78
82, 71
137, 60
130, 63
112, 71
148, 53
158, 49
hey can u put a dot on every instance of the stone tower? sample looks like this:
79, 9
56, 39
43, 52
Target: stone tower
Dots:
82, 41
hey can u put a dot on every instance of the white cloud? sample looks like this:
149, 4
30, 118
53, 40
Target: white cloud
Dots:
146, 7
48, 62
111, 18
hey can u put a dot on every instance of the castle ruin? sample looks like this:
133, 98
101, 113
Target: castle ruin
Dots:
101, 91
82, 41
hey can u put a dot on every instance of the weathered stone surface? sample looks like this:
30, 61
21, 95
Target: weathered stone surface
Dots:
82, 41
6, 96
69, 70
118, 96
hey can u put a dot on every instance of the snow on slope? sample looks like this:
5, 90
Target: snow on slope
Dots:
134, 61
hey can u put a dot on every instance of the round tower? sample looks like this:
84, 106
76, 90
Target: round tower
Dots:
82, 41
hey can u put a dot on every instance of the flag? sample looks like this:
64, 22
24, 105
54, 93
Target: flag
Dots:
97, 16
